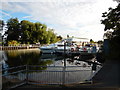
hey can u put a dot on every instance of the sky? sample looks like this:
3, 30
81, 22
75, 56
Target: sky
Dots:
78, 18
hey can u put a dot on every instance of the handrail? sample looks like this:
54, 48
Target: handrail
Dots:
59, 70
13, 67
60, 74
13, 72
43, 66
57, 66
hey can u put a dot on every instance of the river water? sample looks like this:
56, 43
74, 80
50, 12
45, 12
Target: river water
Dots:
76, 70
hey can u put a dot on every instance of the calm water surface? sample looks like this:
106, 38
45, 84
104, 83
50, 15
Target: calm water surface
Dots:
13, 58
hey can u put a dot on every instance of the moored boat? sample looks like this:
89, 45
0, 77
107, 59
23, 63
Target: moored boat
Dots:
58, 47
69, 45
48, 49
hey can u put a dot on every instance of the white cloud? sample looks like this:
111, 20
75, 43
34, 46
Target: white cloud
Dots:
46, 0
76, 18
27, 17
94, 32
5, 14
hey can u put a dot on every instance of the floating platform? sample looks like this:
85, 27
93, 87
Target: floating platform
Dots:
74, 53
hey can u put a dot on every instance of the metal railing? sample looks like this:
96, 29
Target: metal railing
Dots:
42, 75
13, 77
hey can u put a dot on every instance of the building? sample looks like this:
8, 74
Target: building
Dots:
78, 41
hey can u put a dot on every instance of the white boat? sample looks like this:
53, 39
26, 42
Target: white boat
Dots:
48, 49
56, 48
62, 49
71, 44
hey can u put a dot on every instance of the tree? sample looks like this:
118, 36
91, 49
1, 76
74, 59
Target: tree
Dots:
1, 29
25, 34
43, 34
91, 41
112, 22
13, 29
13, 43
1, 25
53, 37
29, 32
59, 38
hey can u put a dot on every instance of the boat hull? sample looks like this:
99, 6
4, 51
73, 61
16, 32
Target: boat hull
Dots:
47, 50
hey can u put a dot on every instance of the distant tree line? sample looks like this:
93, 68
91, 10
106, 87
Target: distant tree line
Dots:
26, 32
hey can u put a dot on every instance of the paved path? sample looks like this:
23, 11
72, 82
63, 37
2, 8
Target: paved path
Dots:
109, 75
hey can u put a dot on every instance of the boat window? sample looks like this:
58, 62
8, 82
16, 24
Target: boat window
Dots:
60, 45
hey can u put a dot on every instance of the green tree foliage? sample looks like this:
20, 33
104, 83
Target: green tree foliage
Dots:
29, 32
59, 38
112, 22
27, 28
91, 41
13, 43
52, 35
13, 29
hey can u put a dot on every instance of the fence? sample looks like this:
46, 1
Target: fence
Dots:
42, 75
12, 78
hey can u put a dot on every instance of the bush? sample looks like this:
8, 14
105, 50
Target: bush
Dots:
13, 43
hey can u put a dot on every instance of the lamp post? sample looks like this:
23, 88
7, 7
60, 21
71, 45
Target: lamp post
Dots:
64, 53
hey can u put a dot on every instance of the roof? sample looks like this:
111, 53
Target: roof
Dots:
77, 39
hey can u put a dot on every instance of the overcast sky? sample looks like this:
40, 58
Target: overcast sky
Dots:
78, 18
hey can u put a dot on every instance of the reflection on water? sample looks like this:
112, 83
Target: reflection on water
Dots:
14, 58
24, 57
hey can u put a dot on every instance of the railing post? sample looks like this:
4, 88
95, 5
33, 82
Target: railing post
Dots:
63, 77
26, 74
91, 81
64, 66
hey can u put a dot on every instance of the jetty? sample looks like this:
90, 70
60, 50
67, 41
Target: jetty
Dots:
19, 47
